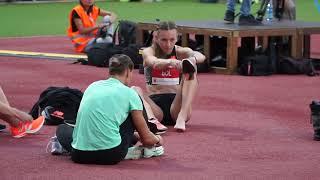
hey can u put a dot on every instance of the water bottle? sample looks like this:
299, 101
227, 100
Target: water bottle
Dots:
269, 11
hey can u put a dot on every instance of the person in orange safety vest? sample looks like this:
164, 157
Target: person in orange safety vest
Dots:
83, 26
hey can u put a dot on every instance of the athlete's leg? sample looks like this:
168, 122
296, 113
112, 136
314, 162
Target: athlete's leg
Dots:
3, 97
152, 109
9, 114
181, 106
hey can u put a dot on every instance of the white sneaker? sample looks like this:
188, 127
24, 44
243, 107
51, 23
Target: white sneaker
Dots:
56, 147
153, 151
134, 152
137, 152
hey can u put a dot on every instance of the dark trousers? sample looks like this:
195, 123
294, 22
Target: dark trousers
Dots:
107, 156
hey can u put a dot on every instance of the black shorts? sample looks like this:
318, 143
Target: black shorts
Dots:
164, 101
108, 156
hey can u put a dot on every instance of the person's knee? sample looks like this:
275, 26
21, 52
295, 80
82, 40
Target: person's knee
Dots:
158, 113
138, 90
64, 134
107, 19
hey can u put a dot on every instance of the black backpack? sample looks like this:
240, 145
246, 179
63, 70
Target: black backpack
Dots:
259, 62
100, 53
62, 99
126, 33
256, 65
315, 106
134, 52
289, 65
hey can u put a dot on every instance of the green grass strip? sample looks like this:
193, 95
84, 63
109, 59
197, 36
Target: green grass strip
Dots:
52, 18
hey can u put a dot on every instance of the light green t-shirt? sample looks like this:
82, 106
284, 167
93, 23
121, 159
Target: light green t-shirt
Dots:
105, 105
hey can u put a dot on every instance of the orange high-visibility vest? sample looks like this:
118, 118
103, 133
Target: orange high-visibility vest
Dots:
88, 20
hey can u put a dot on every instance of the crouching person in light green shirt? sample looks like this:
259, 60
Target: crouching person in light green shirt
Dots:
108, 115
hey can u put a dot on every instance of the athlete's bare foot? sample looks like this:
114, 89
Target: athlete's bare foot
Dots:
180, 125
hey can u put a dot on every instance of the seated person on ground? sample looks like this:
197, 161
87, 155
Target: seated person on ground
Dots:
108, 115
171, 77
20, 122
83, 25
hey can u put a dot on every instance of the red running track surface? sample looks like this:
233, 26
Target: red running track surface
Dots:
62, 44
241, 128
